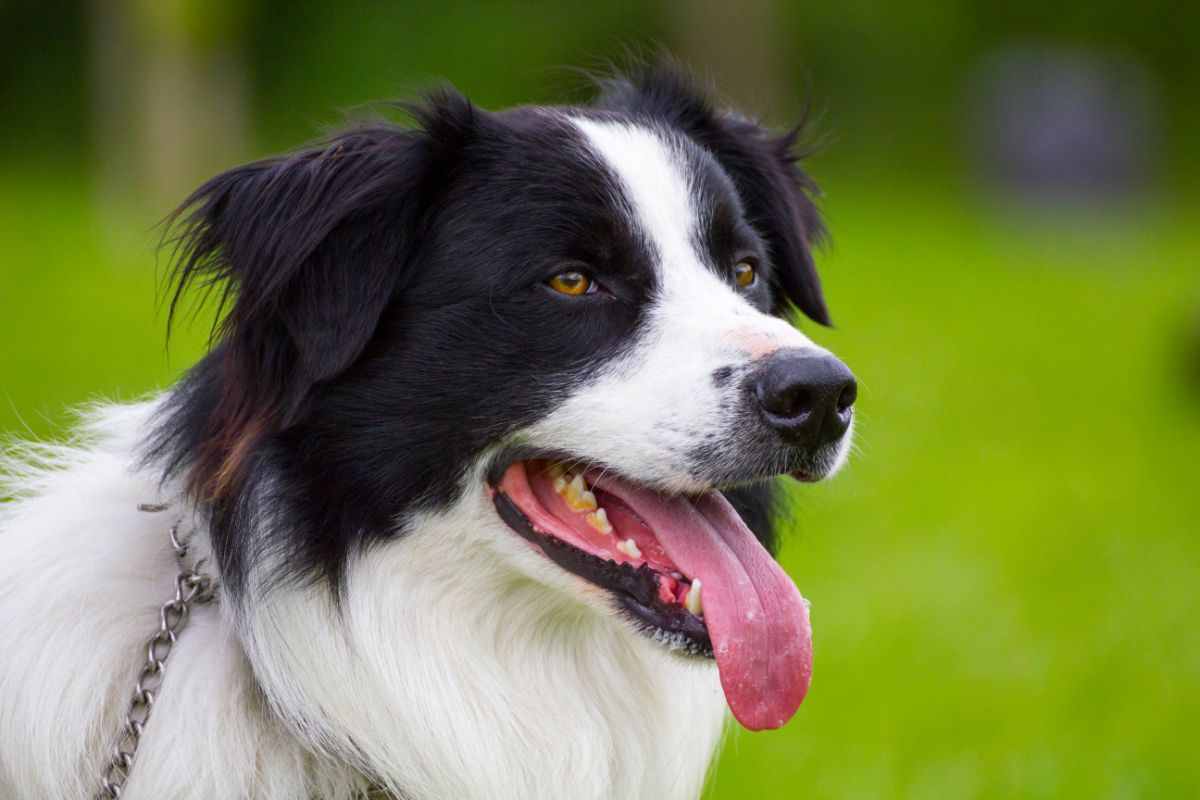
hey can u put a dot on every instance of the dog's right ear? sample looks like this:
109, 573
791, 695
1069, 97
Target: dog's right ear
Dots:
306, 252
765, 169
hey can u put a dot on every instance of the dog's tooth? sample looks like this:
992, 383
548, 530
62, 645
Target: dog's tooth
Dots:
579, 497
580, 501
692, 602
560, 484
598, 519
629, 547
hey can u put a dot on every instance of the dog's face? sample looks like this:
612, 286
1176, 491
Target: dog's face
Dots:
578, 312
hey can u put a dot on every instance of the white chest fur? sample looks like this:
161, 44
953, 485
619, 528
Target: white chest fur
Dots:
444, 675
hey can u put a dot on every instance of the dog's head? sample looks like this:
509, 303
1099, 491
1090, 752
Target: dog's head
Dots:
576, 316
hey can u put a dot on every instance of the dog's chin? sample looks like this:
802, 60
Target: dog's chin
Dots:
819, 469
683, 570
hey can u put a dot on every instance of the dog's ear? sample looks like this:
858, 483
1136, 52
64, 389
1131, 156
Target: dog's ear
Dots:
313, 245
306, 251
777, 195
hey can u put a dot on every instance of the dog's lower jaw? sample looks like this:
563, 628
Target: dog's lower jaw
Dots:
461, 666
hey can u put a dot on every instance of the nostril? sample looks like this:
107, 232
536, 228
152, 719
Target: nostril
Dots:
847, 397
797, 402
784, 399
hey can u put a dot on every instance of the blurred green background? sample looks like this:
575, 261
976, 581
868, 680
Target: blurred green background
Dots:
1006, 580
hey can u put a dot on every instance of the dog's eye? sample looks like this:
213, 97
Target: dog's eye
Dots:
572, 283
744, 274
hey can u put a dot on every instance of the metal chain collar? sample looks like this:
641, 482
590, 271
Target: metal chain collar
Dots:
192, 587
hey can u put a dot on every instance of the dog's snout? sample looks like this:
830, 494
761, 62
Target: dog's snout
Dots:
807, 397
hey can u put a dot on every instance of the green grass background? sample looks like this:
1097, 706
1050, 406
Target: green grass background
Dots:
1005, 580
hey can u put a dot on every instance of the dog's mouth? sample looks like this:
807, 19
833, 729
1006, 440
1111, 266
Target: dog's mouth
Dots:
685, 569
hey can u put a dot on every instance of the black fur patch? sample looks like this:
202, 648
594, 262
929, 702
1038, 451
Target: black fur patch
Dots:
387, 314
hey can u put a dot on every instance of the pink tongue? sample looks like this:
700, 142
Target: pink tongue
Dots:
756, 618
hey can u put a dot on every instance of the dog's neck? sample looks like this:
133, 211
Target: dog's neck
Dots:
447, 673
444, 674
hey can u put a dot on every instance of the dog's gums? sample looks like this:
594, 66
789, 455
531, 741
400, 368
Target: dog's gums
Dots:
665, 603
673, 587
687, 571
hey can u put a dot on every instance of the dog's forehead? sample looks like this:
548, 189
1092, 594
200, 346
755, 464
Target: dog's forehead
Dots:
653, 177
664, 179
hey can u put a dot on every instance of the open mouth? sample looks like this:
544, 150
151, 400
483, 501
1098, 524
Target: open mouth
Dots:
685, 569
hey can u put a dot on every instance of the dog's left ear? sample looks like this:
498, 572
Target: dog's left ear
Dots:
777, 194
778, 197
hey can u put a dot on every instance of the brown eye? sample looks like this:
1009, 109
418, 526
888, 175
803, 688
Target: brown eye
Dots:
572, 283
744, 274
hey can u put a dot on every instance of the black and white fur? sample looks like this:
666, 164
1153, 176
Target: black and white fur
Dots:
388, 333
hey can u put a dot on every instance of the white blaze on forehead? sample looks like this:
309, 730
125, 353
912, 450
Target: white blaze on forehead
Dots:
647, 412
656, 184
654, 178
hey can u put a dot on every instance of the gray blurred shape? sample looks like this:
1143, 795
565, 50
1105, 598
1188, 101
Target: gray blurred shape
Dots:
1063, 125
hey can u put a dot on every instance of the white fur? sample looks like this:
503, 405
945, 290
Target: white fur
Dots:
82, 576
462, 673
453, 673
643, 413
462, 664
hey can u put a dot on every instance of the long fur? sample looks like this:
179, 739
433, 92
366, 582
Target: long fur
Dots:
379, 629
103, 569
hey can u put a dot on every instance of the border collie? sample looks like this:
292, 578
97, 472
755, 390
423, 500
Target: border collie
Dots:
481, 461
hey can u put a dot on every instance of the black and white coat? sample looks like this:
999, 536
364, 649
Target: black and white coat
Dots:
389, 334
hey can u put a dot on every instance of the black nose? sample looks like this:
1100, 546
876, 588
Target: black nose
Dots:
808, 397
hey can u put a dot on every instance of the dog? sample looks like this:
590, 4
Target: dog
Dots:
477, 475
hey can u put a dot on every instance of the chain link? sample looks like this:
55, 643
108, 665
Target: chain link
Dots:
192, 587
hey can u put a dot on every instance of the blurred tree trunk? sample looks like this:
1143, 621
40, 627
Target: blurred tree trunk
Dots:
737, 45
169, 95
